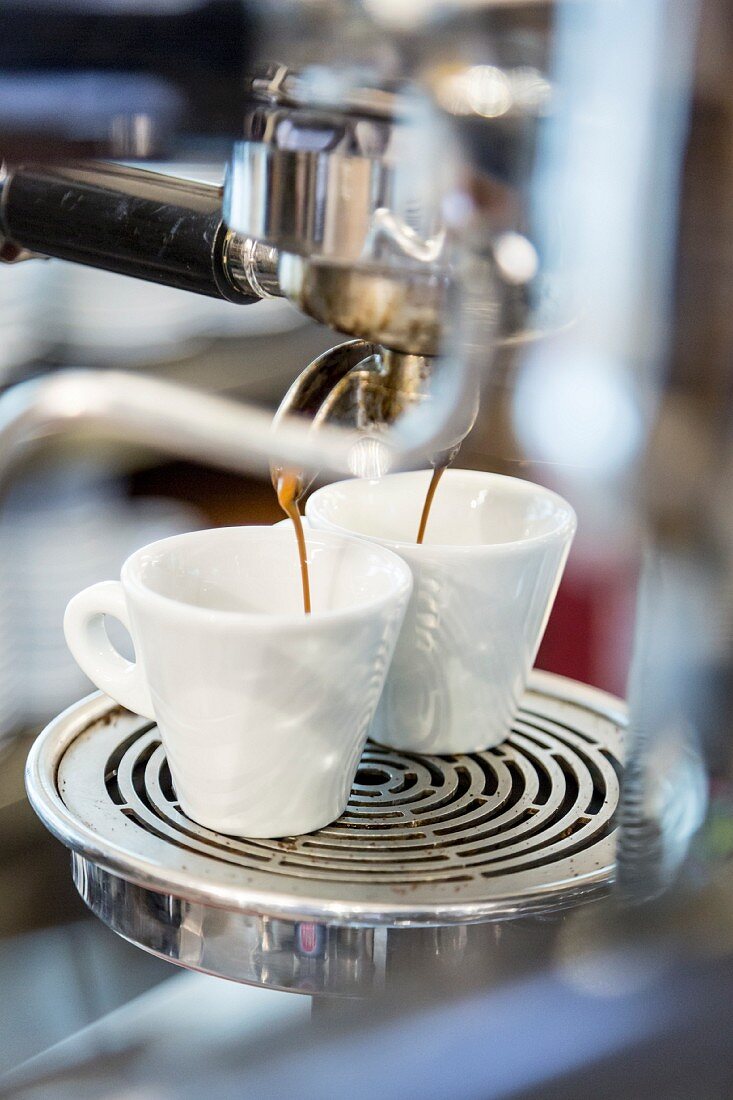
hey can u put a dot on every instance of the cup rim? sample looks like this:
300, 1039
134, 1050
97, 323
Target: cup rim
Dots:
260, 619
563, 531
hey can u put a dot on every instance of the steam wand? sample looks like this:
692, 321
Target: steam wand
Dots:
187, 423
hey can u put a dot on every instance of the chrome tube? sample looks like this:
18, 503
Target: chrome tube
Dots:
187, 423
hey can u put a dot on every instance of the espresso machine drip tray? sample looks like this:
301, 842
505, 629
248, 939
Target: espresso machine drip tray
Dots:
433, 845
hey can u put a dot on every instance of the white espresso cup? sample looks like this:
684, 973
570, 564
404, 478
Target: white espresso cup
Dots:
263, 710
485, 580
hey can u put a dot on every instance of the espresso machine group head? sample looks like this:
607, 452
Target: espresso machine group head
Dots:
352, 189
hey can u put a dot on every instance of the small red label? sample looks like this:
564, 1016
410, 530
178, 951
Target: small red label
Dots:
308, 936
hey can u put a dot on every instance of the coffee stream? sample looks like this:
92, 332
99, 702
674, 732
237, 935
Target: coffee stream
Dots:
287, 492
437, 474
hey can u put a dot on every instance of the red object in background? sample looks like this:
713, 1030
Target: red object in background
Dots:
590, 632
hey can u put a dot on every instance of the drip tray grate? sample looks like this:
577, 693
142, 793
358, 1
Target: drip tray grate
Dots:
522, 828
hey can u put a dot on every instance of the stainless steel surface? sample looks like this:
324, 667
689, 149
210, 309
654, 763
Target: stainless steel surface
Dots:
276, 84
374, 394
409, 311
310, 180
310, 391
251, 265
333, 175
163, 415
357, 224
606, 204
367, 388
425, 841
343, 219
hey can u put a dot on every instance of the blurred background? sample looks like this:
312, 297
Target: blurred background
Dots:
625, 412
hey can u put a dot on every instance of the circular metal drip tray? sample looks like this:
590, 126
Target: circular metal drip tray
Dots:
431, 841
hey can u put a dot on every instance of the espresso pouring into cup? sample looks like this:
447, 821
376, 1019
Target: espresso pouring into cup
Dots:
485, 579
263, 710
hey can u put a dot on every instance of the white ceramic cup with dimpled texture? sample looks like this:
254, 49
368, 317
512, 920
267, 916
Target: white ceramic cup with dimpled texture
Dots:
485, 579
263, 710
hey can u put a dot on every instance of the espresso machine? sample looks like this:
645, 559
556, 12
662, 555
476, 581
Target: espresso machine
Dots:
436, 183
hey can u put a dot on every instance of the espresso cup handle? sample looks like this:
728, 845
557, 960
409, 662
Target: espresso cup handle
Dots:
87, 639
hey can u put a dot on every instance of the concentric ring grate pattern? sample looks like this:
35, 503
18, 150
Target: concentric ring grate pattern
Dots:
546, 794
529, 823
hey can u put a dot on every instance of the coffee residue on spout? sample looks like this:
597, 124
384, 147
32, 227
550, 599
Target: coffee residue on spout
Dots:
287, 494
437, 474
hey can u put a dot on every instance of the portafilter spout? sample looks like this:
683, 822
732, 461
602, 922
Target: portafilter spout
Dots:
375, 392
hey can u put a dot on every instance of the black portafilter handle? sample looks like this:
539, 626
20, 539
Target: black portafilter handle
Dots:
122, 219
